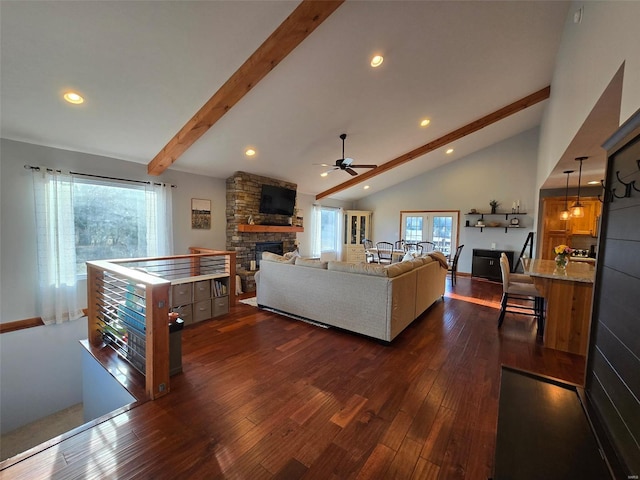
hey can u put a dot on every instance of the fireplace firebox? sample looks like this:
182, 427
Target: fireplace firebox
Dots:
273, 247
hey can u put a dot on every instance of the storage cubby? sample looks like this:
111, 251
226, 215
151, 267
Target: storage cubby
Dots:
200, 300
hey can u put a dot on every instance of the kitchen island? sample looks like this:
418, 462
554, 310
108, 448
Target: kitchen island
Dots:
568, 296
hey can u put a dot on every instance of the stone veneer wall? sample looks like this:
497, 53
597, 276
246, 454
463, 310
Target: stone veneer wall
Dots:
243, 199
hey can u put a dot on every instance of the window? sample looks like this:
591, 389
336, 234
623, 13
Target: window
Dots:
109, 220
439, 227
78, 219
326, 232
329, 226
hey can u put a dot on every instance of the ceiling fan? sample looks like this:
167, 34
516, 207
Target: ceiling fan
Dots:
345, 164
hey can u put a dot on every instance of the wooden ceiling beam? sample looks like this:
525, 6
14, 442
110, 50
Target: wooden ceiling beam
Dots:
472, 127
289, 34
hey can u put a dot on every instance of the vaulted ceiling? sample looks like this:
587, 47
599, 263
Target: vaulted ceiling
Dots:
145, 68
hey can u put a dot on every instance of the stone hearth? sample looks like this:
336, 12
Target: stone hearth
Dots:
243, 199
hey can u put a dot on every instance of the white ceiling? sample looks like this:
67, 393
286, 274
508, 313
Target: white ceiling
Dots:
146, 67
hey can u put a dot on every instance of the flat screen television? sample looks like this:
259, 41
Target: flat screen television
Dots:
277, 200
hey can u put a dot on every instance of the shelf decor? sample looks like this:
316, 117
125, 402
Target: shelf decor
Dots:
494, 205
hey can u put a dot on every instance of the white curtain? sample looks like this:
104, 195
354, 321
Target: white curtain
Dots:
316, 231
340, 232
56, 253
159, 220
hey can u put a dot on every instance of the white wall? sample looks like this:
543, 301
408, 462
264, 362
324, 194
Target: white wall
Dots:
504, 171
590, 54
40, 372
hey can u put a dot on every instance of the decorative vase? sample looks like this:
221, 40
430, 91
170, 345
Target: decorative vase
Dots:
562, 261
493, 209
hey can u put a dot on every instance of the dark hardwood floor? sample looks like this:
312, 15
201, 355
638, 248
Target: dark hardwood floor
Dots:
266, 397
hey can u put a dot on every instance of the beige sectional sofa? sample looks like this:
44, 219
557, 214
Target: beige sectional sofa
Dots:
369, 299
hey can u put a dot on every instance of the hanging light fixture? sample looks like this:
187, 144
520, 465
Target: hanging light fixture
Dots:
577, 210
566, 214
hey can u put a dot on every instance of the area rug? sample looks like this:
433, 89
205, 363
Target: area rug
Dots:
252, 301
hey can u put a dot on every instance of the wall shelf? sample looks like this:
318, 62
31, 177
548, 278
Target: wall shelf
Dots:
497, 214
506, 214
269, 228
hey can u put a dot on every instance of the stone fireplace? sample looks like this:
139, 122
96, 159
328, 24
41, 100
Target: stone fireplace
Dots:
243, 200
273, 247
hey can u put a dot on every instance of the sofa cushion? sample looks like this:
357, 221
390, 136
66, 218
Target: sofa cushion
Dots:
274, 257
305, 262
360, 268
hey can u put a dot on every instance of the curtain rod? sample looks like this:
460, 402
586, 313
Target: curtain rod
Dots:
37, 169
326, 207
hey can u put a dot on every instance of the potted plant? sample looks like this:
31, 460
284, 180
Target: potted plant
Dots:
494, 204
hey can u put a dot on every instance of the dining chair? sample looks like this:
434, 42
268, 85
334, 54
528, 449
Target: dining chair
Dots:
530, 302
453, 265
516, 277
385, 252
427, 246
399, 245
369, 255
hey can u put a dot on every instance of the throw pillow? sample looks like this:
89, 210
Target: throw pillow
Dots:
274, 257
407, 257
290, 255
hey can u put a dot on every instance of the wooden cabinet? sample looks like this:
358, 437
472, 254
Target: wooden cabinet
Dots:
202, 299
587, 225
553, 207
486, 264
557, 232
357, 227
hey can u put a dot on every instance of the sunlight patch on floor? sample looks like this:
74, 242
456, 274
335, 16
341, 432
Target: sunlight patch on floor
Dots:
477, 301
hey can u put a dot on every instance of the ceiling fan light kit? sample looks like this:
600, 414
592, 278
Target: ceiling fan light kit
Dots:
344, 163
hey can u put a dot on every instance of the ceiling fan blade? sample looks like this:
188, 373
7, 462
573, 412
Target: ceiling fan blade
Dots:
363, 166
351, 171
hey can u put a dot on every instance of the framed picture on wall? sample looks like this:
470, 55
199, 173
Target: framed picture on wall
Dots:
200, 214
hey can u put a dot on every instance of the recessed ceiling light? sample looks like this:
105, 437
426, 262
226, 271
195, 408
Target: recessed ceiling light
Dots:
449, 151
425, 122
324, 174
249, 152
593, 182
367, 187
73, 97
376, 61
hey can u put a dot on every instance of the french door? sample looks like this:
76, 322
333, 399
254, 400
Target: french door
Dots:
439, 227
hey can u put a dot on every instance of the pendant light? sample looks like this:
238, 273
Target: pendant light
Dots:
577, 210
566, 214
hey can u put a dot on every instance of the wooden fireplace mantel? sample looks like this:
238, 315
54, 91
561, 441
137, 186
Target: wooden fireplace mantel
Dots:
269, 228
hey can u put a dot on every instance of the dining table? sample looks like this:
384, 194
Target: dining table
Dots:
568, 297
396, 256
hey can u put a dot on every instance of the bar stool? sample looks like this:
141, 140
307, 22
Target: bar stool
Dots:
522, 290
